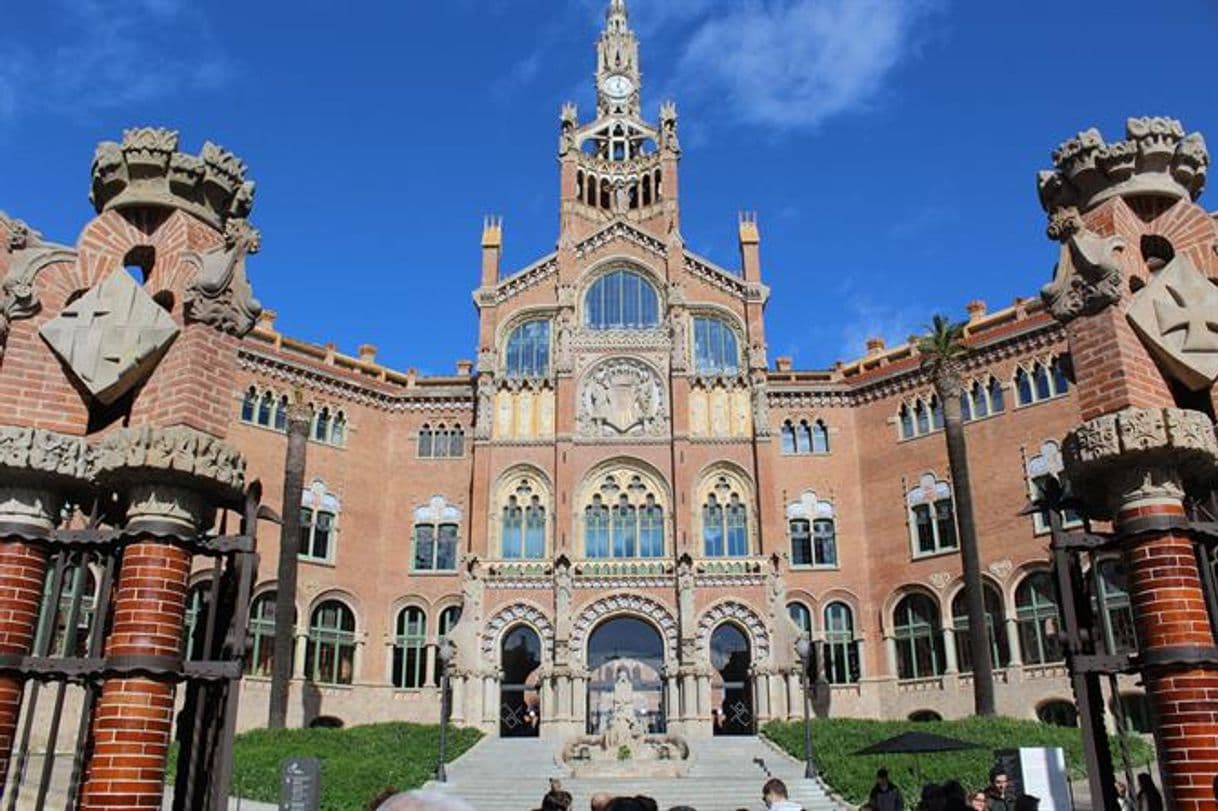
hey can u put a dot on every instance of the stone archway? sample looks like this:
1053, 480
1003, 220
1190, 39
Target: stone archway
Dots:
623, 605
742, 615
511, 615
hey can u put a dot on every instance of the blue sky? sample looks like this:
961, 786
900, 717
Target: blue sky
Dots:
890, 148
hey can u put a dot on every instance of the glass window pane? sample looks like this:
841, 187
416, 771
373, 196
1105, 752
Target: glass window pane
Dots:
737, 531
946, 520
826, 542
651, 532
1042, 382
624, 529
424, 547
425, 443
801, 542
446, 549
596, 531
535, 532
712, 529
788, 437
925, 531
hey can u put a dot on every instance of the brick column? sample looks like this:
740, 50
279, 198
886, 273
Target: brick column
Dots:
1133, 465
37, 468
169, 479
132, 722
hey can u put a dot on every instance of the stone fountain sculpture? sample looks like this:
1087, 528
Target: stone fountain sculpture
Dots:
625, 749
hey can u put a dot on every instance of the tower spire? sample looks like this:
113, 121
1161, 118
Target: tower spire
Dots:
617, 17
617, 64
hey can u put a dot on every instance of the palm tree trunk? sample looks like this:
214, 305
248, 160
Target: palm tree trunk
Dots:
978, 633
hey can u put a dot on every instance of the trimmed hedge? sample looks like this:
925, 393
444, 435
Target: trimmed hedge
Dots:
835, 739
357, 763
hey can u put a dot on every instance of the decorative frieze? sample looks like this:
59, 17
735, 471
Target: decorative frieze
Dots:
620, 229
510, 615
529, 277
178, 454
623, 604
719, 278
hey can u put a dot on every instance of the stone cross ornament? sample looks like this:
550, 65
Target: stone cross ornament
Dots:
112, 337
1176, 316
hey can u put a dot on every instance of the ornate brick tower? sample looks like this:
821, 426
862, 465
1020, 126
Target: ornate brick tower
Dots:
116, 359
1135, 286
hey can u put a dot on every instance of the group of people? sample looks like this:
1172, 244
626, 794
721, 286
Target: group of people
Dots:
997, 796
773, 793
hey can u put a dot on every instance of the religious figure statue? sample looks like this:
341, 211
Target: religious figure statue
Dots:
485, 415
563, 361
676, 331
623, 722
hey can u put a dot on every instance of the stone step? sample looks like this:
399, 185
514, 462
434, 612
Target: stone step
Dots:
725, 774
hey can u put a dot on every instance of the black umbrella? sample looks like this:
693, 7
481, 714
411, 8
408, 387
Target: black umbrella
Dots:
917, 743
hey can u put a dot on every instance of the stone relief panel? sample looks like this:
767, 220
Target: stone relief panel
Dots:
524, 411
621, 397
720, 409
112, 337
1176, 316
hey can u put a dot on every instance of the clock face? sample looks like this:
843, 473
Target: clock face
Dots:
618, 87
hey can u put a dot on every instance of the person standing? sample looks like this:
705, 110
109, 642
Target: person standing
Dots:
998, 797
884, 795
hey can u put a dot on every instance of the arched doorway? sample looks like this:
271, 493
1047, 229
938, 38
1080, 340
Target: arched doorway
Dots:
732, 704
519, 700
635, 646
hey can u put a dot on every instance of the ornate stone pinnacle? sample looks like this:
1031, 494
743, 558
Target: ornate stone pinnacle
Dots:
147, 169
1156, 158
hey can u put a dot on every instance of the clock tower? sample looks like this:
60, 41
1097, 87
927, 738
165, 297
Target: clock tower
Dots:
619, 166
618, 78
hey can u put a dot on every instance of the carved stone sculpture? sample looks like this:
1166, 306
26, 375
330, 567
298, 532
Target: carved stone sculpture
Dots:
621, 396
220, 294
1176, 316
112, 337
761, 406
1088, 274
566, 138
678, 330
29, 254
668, 128
485, 407
564, 326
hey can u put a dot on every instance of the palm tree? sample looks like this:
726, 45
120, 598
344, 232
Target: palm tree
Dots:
943, 353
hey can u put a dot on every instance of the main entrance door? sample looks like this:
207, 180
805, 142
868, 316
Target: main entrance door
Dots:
519, 701
633, 646
732, 658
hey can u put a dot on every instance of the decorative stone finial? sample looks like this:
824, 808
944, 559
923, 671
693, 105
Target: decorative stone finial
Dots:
750, 234
147, 169
976, 310
1155, 159
492, 231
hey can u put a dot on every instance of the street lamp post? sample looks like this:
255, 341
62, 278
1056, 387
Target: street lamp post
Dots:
804, 649
446, 651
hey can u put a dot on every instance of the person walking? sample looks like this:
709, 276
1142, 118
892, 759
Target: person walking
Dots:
774, 794
885, 796
977, 801
1149, 798
998, 796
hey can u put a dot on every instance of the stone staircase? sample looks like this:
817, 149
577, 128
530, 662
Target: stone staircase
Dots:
506, 774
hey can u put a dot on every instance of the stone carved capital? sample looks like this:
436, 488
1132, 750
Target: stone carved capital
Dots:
38, 469
1138, 454
178, 456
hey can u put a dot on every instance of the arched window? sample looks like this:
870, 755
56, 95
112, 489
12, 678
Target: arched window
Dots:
803, 437
77, 596
1040, 378
1138, 717
1059, 713
716, 349
936, 413
841, 648
802, 617
425, 440
338, 429
249, 403
524, 524
932, 518
281, 414
724, 522
330, 654
820, 437
919, 638
623, 519
410, 648
1044, 471
995, 624
1116, 615
321, 424
266, 403
921, 418
262, 634
1036, 611
1023, 387
907, 422
621, 299
966, 406
456, 442
441, 441
435, 536
997, 403
528, 350
1061, 383
788, 437
318, 523
198, 606
813, 531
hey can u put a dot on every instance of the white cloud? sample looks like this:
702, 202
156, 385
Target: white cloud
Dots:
795, 63
104, 54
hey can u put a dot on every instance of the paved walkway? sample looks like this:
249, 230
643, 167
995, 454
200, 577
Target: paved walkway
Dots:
726, 774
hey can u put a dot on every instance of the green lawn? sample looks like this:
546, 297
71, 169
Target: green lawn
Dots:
835, 739
356, 762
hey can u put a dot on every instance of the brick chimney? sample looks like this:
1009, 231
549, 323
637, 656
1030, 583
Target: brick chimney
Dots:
783, 363
492, 249
976, 310
367, 353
